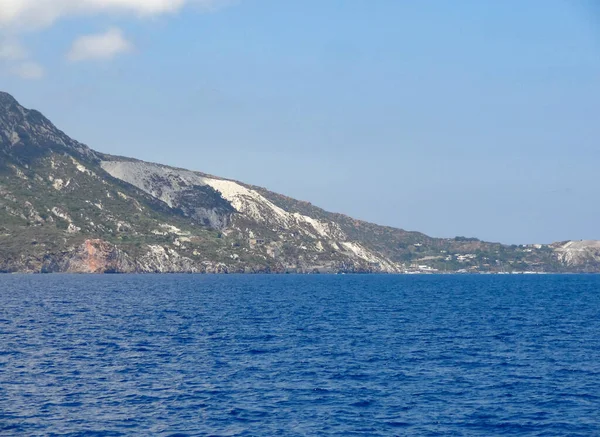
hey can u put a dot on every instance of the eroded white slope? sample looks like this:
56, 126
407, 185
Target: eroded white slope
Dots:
578, 252
161, 182
164, 183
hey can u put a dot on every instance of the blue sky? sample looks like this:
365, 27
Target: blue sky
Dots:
451, 118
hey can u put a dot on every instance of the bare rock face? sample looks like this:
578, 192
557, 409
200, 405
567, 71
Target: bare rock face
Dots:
98, 256
93, 256
579, 253
160, 259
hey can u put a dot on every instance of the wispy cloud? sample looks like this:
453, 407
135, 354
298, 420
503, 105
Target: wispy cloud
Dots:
11, 50
28, 70
14, 58
102, 46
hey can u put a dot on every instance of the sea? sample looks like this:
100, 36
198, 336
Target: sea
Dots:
292, 355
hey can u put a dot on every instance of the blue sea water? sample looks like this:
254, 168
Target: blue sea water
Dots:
299, 355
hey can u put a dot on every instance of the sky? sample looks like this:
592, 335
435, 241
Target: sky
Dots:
462, 118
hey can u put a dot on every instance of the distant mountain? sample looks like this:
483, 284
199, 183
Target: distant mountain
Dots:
67, 208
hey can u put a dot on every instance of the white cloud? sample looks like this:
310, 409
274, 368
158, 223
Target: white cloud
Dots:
11, 50
35, 14
101, 46
28, 70
22, 16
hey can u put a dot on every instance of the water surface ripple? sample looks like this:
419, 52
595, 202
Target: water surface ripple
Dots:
299, 355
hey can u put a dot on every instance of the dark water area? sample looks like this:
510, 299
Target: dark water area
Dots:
299, 355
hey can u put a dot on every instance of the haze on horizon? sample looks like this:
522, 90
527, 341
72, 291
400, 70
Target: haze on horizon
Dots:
450, 118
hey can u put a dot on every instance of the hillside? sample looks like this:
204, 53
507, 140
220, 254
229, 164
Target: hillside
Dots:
67, 208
